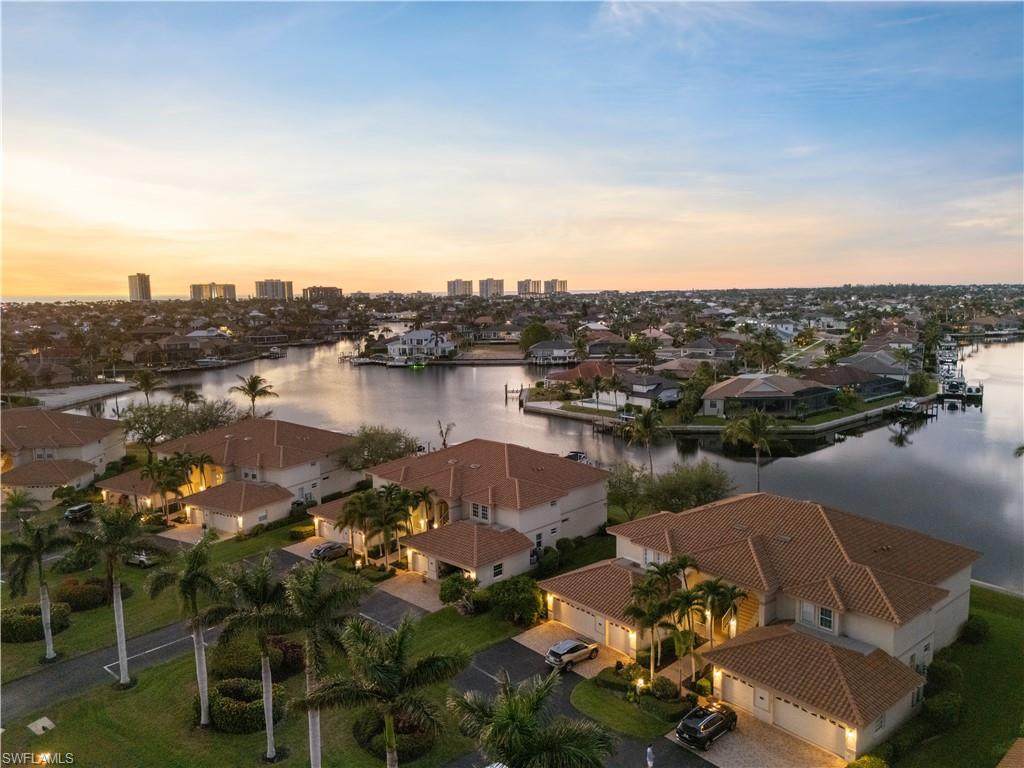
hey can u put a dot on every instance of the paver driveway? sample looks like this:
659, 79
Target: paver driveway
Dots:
540, 638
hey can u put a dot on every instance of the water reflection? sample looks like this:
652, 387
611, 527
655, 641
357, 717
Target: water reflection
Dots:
953, 476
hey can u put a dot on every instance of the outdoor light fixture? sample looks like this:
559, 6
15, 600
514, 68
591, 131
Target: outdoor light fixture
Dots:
359, 563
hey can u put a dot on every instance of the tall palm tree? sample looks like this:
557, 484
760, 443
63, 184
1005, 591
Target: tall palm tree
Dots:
424, 497
201, 461
712, 596
387, 520
443, 430
355, 516
682, 603
253, 387
116, 534
581, 345
167, 477
20, 504
615, 383
147, 382
684, 643
382, 675
645, 430
682, 563
729, 598
646, 609
318, 609
515, 727
598, 385
192, 574
257, 605
904, 357
662, 575
188, 397
754, 428
183, 462
28, 550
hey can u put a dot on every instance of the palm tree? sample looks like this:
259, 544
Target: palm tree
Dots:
257, 601
905, 357
167, 477
754, 428
712, 596
1019, 451
183, 461
514, 727
116, 534
188, 397
598, 385
444, 431
729, 598
382, 675
581, 345
29, 549
21, 504
193, 575
201, 461
355, 516
615, 383
683, 603
645, 430
317, 609
646, 609
423, 497
682, 563
662, 574
147, 382
684, 643
253, 387
387, 519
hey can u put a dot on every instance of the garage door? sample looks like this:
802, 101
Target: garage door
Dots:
737, 692
809, 726
419, 562
618, 637
579, 619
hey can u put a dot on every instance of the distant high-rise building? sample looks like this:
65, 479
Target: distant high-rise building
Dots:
321, 293
138, 288
460, 287
528, 287
492, 288
211, 291
274, 289
556, 286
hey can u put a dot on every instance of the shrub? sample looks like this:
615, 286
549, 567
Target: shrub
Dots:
299, 533
458, 589
236, 705
943, 709
241, 658
975, 630
564, 546
75, 560
884, 751
517, 600
664, 689
80, 596
293, 655
669, 711
611, 679
579, 541
868, 761
368, 732
906, 738
548, 561
943, 676
704, 687
24, 623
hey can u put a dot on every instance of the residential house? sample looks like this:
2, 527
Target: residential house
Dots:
867, 385
710, 348
238, 505
421, 342
639, 390
587, 370
497, 506
842, 615
131, 489
500, 334
35, 434
552, 352
42, 477
774, 393
658, 336
880, 363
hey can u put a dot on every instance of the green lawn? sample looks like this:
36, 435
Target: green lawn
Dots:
993, 691
600, 546
613, 711
91, 630
150, 725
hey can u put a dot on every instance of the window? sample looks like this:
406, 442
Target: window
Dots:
554, 531
927, 647
497, 570
539, 538
480, 511
554, 503
880, 723
806, 613
825, 618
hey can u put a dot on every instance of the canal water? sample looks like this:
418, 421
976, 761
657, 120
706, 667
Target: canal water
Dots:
955, 476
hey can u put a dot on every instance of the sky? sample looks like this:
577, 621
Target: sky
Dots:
379, 146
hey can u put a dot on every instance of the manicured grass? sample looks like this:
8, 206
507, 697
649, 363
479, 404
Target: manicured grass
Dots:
447, 628
91, 630
600, 546
613, 711
993, 691
150, 726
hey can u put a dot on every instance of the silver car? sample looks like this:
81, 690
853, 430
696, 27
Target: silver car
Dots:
565, 654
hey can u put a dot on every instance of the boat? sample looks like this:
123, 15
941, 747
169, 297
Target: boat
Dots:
974, 390
418, 362
359, 360
908, 405
211, 362
577, 456
277, 352
397, 362
954, 387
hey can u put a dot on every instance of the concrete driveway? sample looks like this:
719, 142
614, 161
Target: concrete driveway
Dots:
540, 638
188, 534
303, 548
755, 744
411, 588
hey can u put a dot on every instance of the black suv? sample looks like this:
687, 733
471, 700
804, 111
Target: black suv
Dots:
705, 724
78, 513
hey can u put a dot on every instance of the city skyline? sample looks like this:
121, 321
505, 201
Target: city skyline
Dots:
617, 145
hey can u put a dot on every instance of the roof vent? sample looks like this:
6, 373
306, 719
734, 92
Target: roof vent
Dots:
740, 526
474, 466
883, 548
453, 461
785, 538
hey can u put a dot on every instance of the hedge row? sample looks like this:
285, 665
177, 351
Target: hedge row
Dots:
88, 594
24, 623
609, 678
368, 731
241, 658
236, 705
669, 711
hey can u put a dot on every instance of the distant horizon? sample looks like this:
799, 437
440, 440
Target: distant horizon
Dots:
623, 144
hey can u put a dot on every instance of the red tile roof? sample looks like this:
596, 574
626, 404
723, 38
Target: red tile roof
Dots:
40, 428
588, 369
238, 496
131, 482
267, 443
846, 562
46, 472
841, 682
492, 473
469, 545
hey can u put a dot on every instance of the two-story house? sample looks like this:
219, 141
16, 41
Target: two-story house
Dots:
553, 352
421, 342
44, 450
842, 615
496, 506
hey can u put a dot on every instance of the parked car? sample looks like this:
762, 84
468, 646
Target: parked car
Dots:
564, 654
704, 725
78, 513
141, 558
328, 550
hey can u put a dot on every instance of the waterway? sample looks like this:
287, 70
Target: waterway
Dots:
954, 477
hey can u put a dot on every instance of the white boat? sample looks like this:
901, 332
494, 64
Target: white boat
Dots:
908, 405
359, 360
397, 362
211, 362
954, 387
974, 390
277, 352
